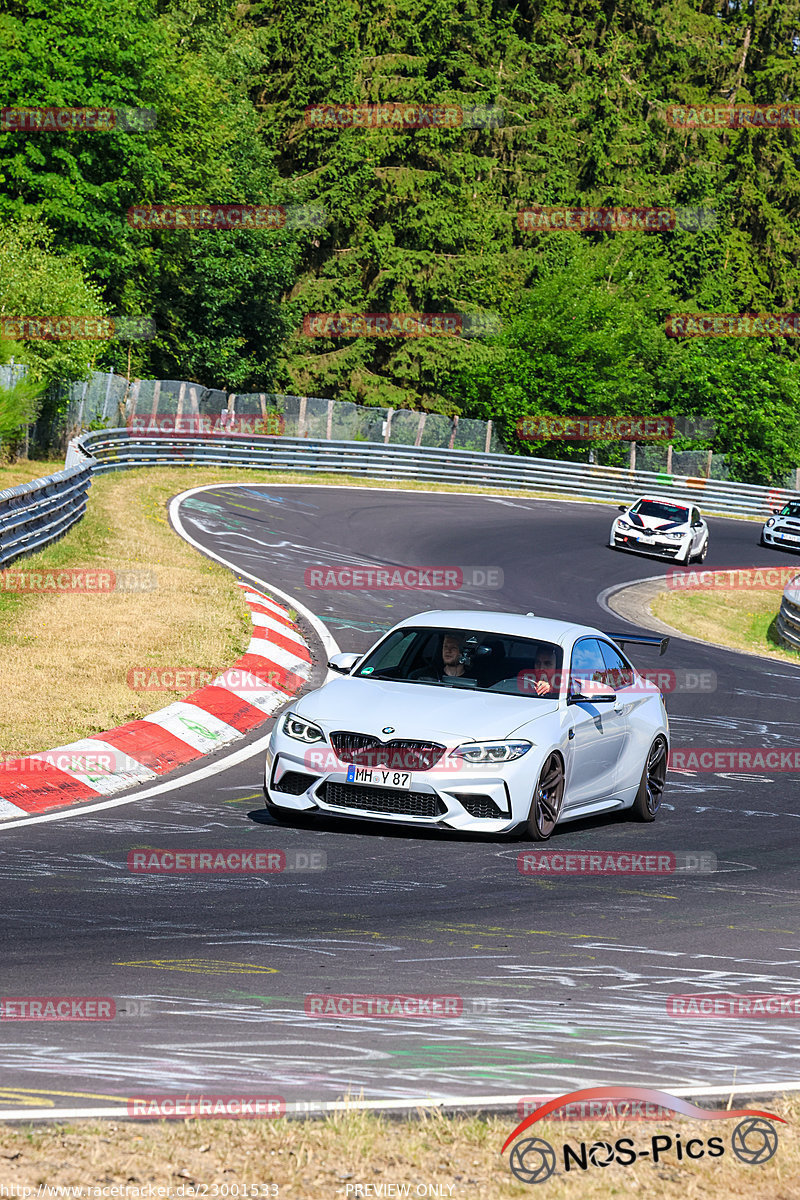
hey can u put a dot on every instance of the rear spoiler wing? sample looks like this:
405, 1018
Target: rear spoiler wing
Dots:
639, 639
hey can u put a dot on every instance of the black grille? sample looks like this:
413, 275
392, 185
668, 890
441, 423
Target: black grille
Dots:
479, 806
382, 800
367, 751
294, 783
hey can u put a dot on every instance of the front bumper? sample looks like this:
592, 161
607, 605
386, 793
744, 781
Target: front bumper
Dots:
466, 799
661, 546
781, 539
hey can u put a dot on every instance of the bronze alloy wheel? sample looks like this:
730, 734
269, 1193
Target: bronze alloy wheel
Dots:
547, 799
651, 788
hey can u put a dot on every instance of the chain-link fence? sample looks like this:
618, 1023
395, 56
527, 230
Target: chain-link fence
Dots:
106, 400
692, 464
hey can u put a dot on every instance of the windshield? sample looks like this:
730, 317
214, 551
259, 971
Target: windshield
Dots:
790, 510
467, 658
661, 510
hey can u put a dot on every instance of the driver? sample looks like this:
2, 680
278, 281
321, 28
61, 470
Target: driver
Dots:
451, 664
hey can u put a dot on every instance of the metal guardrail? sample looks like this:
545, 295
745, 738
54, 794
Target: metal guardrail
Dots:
789, 615
35, 514
120, 449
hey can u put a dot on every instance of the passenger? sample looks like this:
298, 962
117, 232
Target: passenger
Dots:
544, 667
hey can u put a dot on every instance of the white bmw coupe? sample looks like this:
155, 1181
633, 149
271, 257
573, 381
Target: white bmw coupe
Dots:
488, 722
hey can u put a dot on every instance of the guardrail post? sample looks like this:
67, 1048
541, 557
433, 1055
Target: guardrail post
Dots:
387, 426
301, 420
669, 459
453, 432
488, 445
329, 425
632, 460
708, 464
420, 428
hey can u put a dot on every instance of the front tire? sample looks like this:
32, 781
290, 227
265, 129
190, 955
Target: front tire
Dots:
547, 799
701, 557
651, 787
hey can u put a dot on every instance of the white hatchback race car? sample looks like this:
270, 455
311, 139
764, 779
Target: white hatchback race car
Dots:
782, 529
654, 525
488, 722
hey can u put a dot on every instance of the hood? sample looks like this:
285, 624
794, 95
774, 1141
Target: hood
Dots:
655, 523
418, 711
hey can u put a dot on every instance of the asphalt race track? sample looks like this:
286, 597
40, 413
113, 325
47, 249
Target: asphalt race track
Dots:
564, 980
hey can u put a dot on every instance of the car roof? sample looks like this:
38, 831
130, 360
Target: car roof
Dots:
665, 500
513, 624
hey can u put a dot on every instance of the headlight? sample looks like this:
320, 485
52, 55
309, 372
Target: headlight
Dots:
623, 524
301, 730
491, 752
676, 536
770, 522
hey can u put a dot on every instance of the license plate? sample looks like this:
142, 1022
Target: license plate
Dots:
379, 777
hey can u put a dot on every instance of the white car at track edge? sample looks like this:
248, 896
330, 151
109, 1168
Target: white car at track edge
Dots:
487, 722
782, 529
657, 526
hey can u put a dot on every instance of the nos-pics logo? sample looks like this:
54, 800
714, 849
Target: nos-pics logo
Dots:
753, 1140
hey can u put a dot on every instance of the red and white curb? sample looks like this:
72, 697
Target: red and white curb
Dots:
275, 666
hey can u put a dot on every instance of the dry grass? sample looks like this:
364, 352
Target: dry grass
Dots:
65, 658
743, 620
314, 1160
26, 471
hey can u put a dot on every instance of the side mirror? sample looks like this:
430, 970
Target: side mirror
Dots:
622, 508
592, 693
775, 512
344, 663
